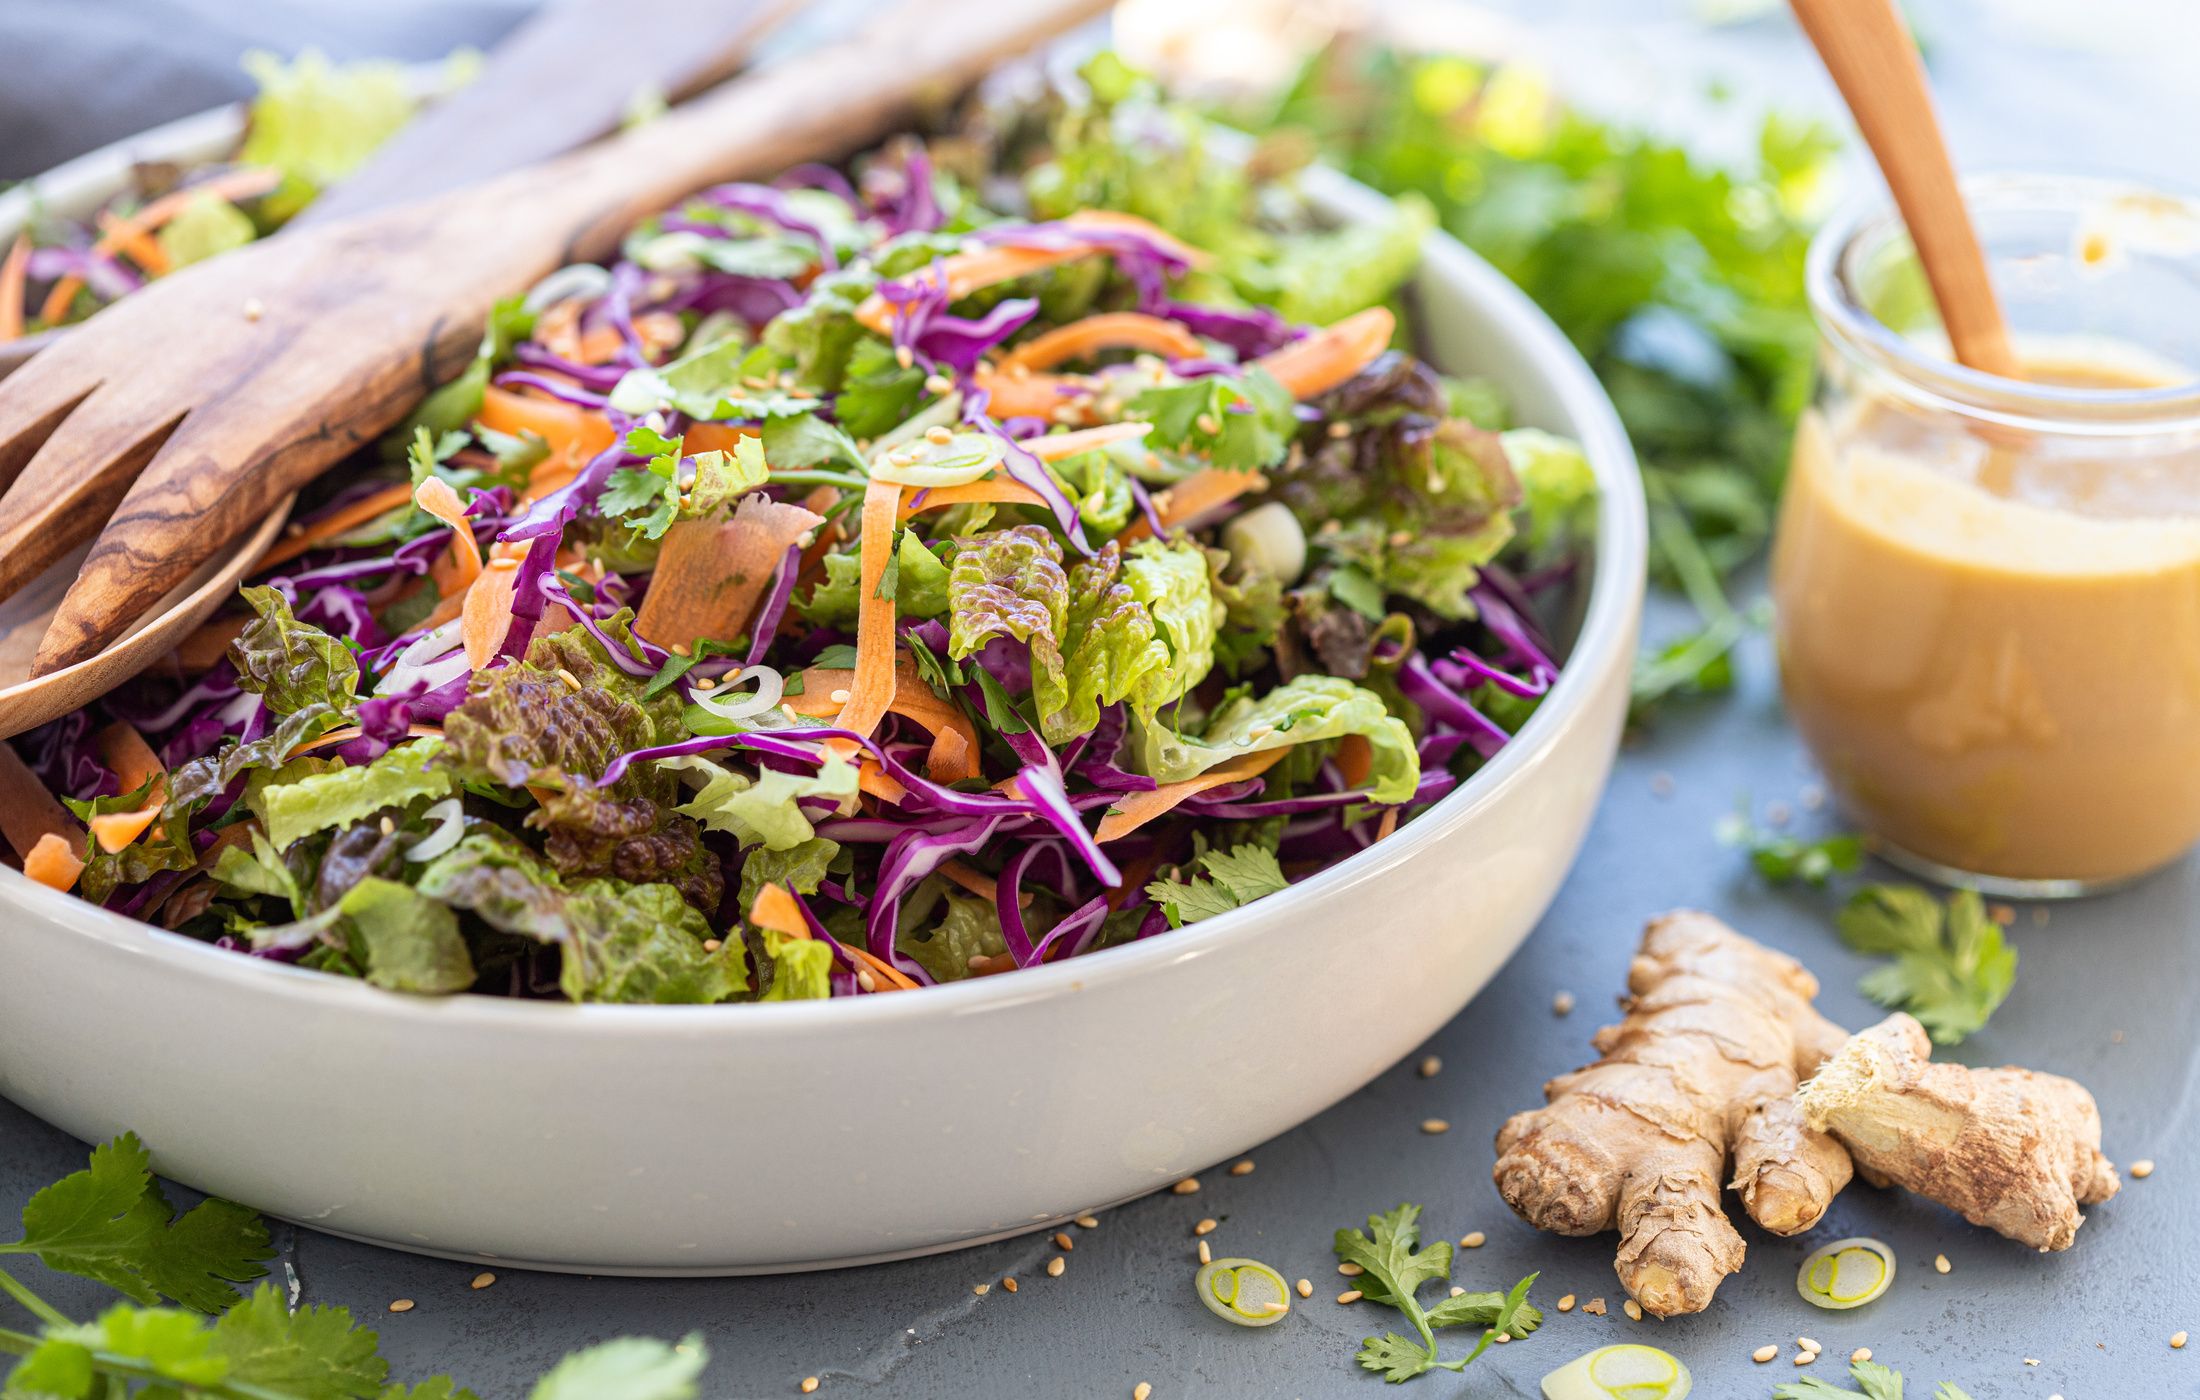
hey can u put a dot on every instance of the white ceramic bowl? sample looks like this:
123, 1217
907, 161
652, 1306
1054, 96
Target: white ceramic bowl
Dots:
788, 1136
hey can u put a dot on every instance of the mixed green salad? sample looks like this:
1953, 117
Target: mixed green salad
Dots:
966, 559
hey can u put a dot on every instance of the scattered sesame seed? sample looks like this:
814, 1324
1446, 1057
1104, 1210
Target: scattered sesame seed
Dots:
1435, 1125
1141, 1391
1661, 784
2003, 914
839, 697
1306, 1290
2142, 1169
1808, 1344
2177, 1341
1009, 1284
1860, 1355
809, 1384
569, 678
712, 945
939, 436
1329, 527
1594, 1307
254, 309
1206, 1255
1088, 1222
1056, 1265
1633, 1310
402, 1305
1502, 1337
1276, 1305
1186, 1187
1350, 1270
1940, 1262
389, 828
1566, 1304
1474, 1239
294, 529
1430, 1066
679, 648
2115, 1037
1399, 539
904, 356
2031, 1361
1063, 1241
981, 1289
1562, 1004
1804, 1358
1340, 429
705, 683
1350, 1295
1204, 1227
865, 980
1764, 1353
482, 1281
1208, 424
937, 384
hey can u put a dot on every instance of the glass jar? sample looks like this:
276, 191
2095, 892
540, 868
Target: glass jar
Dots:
1988, 589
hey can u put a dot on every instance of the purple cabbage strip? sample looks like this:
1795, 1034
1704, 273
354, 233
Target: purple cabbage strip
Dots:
1043, 787
1474, 670
1076, 927
1435, 782
814, 175
1251, 331
555, 388
108, 278
1445, 706
1022, 467
775, 606
602, 378
771, 206
908, 859
1008, 902
1146, 507
911, 206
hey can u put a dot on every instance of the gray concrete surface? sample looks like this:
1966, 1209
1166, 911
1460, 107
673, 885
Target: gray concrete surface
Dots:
2106, 993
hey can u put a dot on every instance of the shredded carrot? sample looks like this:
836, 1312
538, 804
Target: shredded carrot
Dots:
487, 611
435, 496
13, 273
248, 183
337, 522
1320, 362
954, 752
998, 490
989, 266
52, 863
1194, 496
29, 814
208, 644
1134, 810
775, 909
1113, 330
573, 434
1015, 393
352, 731
134, 765
976, 881
1355, 760
1056, 446
875, 780
712, 574
715, 437
139, 244
1388, 824
892, 978
871, 692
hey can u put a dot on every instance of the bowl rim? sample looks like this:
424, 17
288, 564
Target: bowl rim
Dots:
1605, 639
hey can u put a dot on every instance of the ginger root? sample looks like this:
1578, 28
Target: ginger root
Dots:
2015, 1151
1718, 1032
1707, 1066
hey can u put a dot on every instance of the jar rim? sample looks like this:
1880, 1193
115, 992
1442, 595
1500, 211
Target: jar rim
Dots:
1871, 221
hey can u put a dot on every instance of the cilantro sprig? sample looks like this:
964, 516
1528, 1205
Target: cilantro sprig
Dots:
1394, 1271
112, 1224
1874, 1382
1781, 858
1228, 879
1952, 967
650, 498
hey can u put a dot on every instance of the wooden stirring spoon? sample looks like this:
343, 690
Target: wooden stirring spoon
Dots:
201, 401
1868, 51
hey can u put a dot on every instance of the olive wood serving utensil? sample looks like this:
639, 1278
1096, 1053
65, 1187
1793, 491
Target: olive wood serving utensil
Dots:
196, 405
1868, 51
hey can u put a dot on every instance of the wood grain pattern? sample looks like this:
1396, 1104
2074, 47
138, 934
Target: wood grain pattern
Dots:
275, 361
1867, 49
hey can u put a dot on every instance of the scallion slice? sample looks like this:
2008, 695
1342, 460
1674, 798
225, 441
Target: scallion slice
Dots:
1625, 1372
1846, 1274
1244, 1291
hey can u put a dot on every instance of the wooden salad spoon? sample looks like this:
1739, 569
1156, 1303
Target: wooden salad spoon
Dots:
194, 407
1868, 51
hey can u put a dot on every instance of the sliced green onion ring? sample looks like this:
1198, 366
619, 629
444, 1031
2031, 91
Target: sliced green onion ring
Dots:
1846, 1274
1625, 1372
962, 459
1244, 1291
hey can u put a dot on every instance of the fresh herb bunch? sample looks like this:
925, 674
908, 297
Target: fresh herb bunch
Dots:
111, 1223
1680, 281
1396, 1269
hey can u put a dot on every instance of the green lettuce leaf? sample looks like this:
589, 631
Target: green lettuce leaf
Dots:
1299, 711
945, 937
820, 336
1114, 652
291, 664
317, 121
408, 942
802, 968
208, 225
1010, 583
1557, 485
455, 405
650, 499
765, 810
1325, 275
1245, 423
1171, 580
341, 796
725, 379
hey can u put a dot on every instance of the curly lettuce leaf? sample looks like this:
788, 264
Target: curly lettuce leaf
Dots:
407, 942
317, 121
802, 968
1171, 580
766, 810
340, 796
1557, 485
945, 938
1010, 583
1300, 711
796, 969
819, 337
1325, 275
1114, 652
291, 664
726, 379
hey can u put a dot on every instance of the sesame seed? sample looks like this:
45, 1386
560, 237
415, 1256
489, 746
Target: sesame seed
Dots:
1860, 1355
939, 436
2142, 1169
1594, 1307
937, 384
1804, 1358
1562, 1004
1457, 1291
1340, 430
1186, 1187
389, 828
2003, 914
1429, 1067
1206, 1255
1009, 1284
981, 1289
1056, 1265
1088, 1221
866, 981
712, 945
254, 309
839, 697
1276, 1305
1063, 1241
1940, 1262
1208, 424
679, 648
1399, 539
1473, 1240
1502, 1337
1244, 1168
2177, 1341
1764, 1353
1566, 1304
904, 356
705, 683
402, 1305
1633, 1310
482, 1281
2031, 1361
1350, 1295
1204, 1227
809, 1384
1141, 1391
1808, 1344
1306, 1290
569, 678
1435, 1125
1350, 1270
504, 561
294, 529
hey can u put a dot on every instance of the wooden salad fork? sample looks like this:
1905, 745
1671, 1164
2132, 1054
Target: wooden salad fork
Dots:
182, 415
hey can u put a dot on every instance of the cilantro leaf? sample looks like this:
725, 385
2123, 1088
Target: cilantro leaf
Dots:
111, 1224
1487, 1309
1393, 1271
1951, 968
1396, 1357
314, 1353
1231, 878
1874, 1382
433, 1388
1244, 423
631, 1368
1781, 858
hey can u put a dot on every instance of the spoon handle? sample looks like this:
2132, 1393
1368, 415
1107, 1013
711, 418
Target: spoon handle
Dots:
1876, 67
